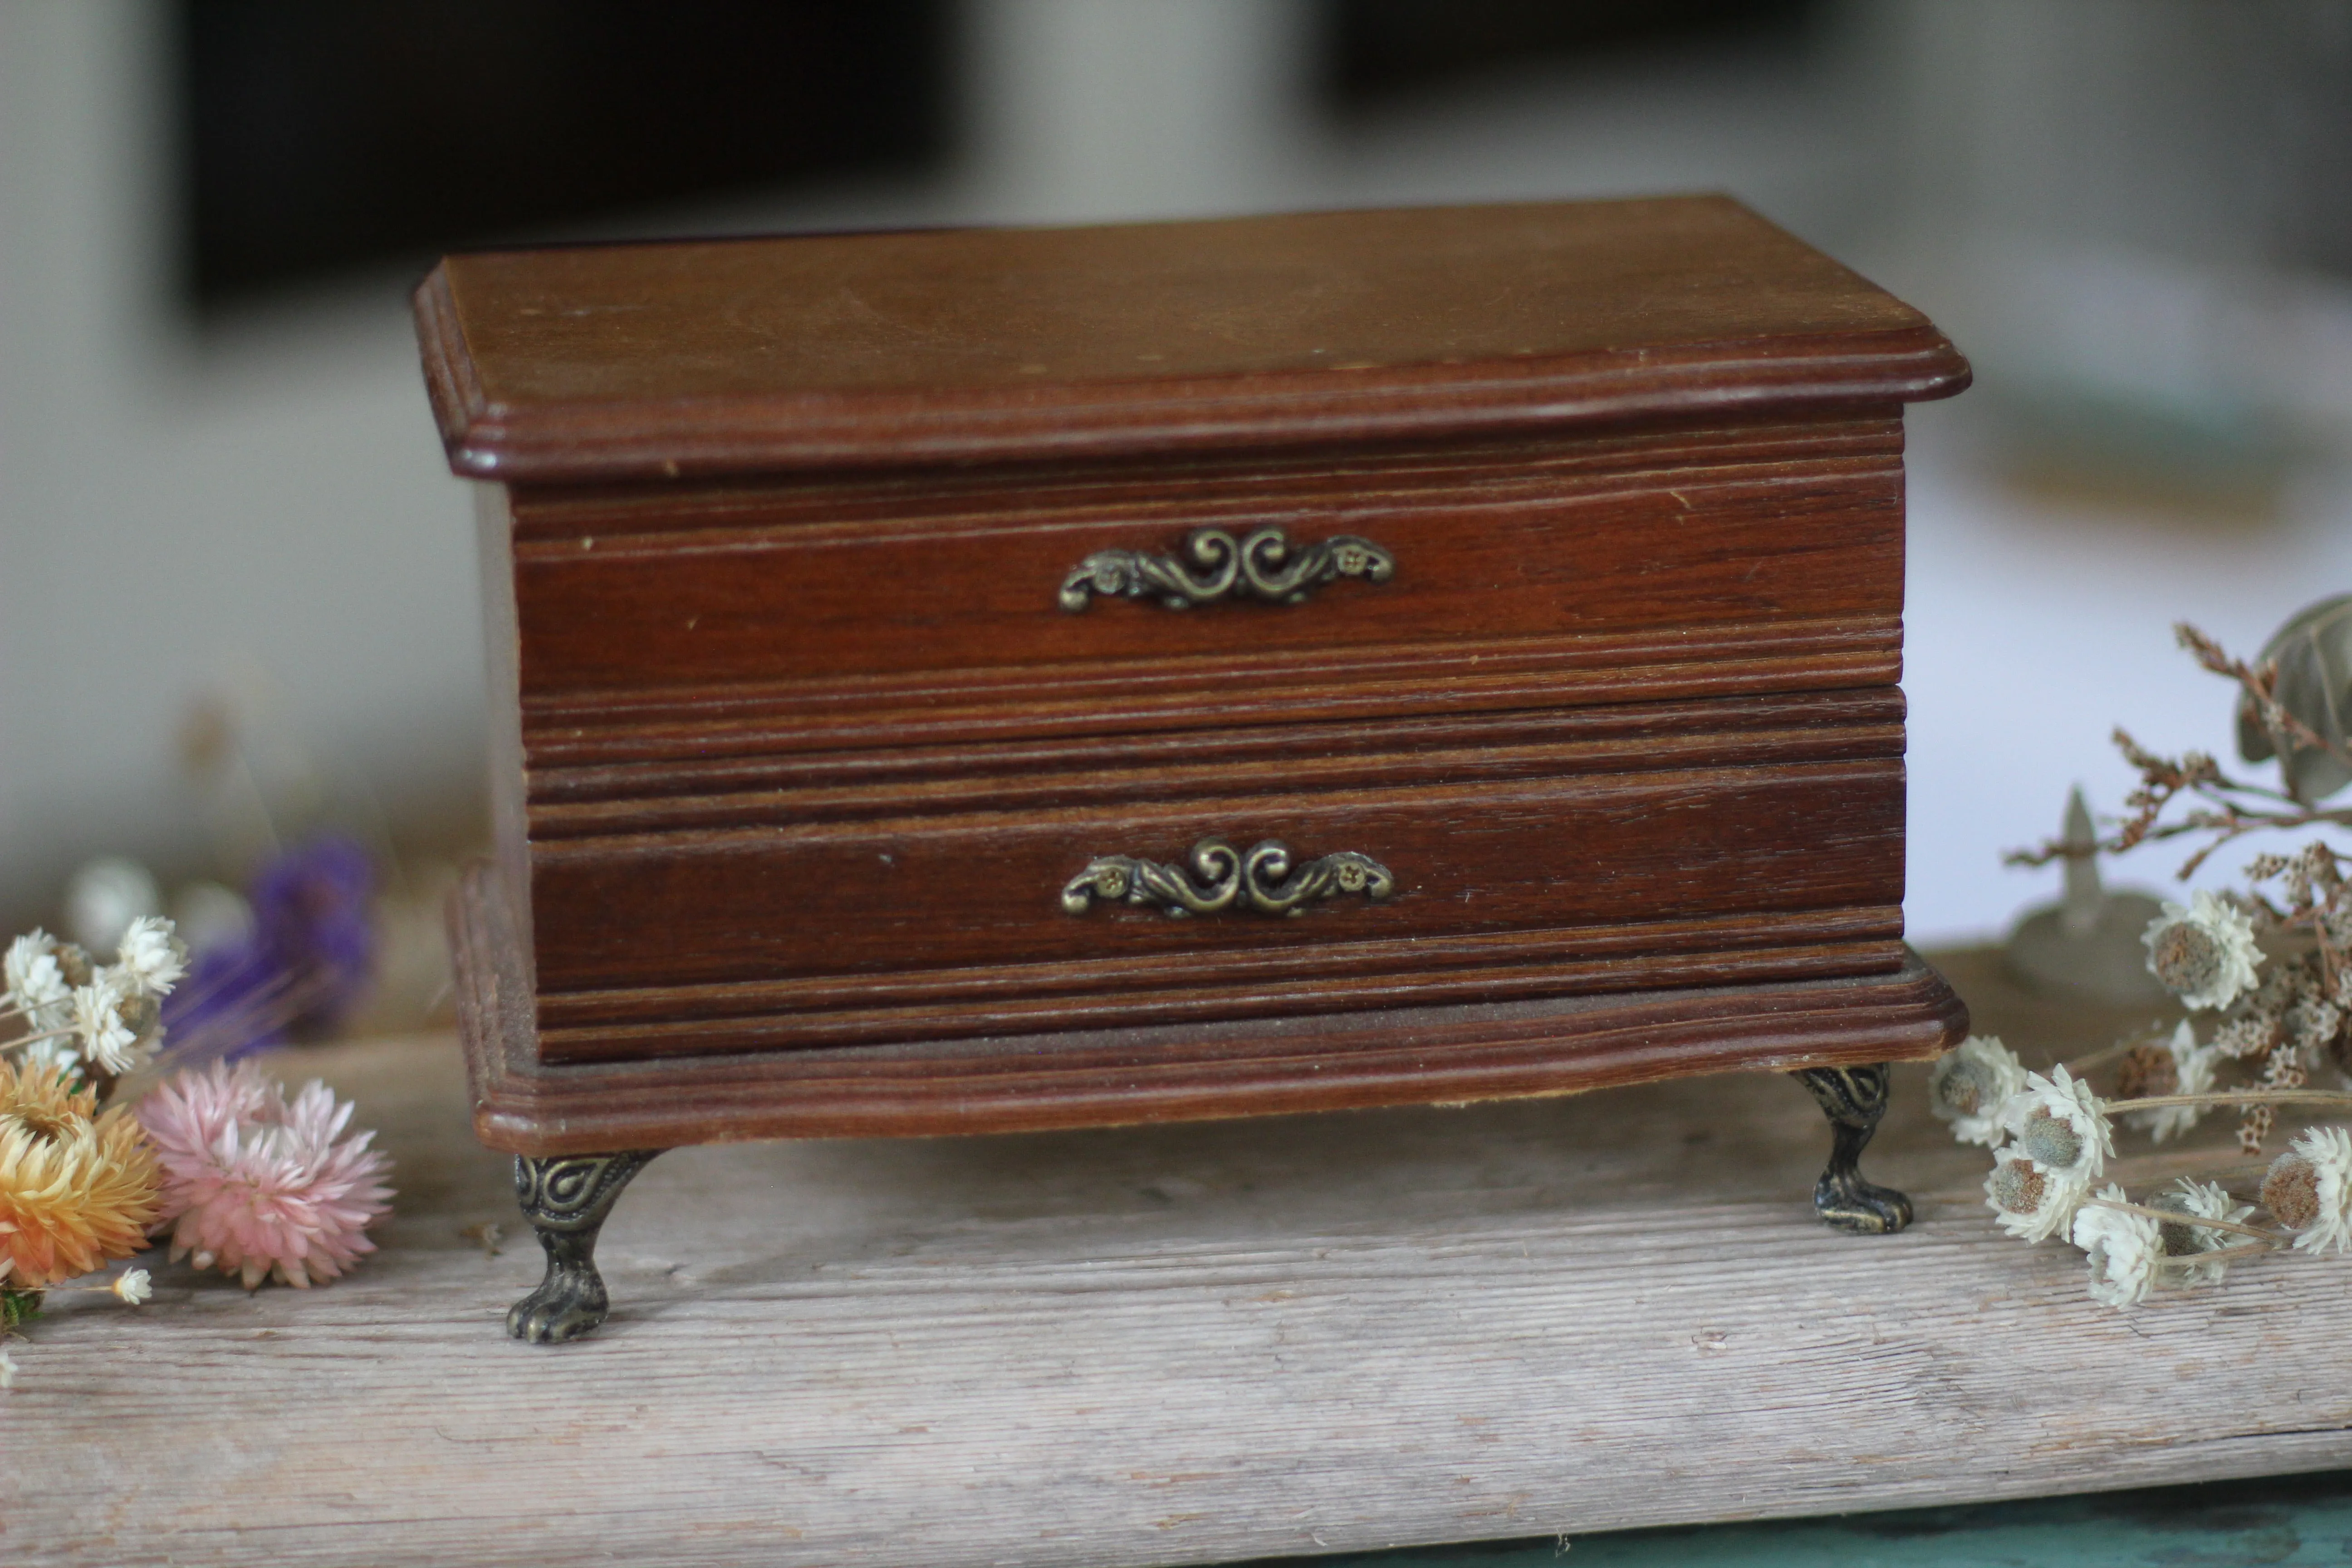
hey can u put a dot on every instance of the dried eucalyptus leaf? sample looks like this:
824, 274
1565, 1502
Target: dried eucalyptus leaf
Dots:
2314, 653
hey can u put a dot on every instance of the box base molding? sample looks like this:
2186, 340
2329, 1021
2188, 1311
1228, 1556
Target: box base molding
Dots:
1444, 1054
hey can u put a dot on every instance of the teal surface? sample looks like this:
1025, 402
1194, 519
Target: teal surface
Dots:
2292, 1519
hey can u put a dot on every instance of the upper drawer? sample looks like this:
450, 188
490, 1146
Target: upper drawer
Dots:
745, 618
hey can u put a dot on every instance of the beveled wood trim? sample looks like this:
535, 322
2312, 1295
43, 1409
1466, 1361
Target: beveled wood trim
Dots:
867, 1021
693, 359
1156, 696
727, 791
1014, 1083
624, 441
1215, 487
1865, 938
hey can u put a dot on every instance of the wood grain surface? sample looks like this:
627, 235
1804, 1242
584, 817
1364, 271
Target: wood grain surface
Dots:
1156, 1346
687, 588
656, 360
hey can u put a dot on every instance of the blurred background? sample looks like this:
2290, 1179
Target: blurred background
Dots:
237, 592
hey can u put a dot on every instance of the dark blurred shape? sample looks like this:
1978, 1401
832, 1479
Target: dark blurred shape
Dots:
306, 963
319, 138
1379, 48
2314, 655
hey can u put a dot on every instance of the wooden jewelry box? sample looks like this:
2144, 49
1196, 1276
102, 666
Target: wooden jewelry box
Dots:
975, 681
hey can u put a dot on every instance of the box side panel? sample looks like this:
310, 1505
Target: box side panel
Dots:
508, 785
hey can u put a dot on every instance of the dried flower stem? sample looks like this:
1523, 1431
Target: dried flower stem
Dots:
2270, 1239
2231, 1097
2080, 1065
35, 1039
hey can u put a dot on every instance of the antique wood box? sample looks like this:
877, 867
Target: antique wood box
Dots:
970, 681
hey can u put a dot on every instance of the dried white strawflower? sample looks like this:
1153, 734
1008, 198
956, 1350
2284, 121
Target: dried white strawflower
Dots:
2178, 1066
115, 1026
2309, 1189
2060, 1124
152, 958
2030, 1201
2199, 1200
2125, 1250
134, 1286
1968, 1085
2204, 952
41, 973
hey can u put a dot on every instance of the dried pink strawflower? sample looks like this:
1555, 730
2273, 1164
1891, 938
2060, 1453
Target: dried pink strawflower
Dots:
258, 1185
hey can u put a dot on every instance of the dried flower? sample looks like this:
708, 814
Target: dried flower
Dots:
2125, 1250
41, 973
311, 911
2060, 1124
301, 966
152, 958
2309, 1189
1968, 1087
2030, 1201
2178, 1066
258, 1186
76, 1188
134, 1286
116, 1026
2204, 951
2199, 1200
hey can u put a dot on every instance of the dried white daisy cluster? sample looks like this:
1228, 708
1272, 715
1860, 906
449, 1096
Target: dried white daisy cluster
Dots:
61, 1012
2270, 962
2052, 1138
2055, 1143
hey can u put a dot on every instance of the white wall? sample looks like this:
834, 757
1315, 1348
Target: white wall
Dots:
177, 513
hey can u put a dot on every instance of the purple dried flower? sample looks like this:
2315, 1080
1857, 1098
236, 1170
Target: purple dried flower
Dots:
311, 911
299, 971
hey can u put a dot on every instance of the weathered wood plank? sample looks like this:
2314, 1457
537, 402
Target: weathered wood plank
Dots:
1160, 1345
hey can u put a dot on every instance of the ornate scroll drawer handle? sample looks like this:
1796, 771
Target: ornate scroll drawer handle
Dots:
1221, 878
1210, 567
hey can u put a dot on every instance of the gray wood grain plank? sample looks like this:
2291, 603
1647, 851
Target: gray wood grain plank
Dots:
1164, 1345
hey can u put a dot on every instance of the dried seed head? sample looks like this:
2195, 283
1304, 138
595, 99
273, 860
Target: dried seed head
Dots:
2204, 951
2180, 1240
2185, 957
1970, 1085
2254, 1126
1958, 1086
2291, 1191
2148, 1069
2019, 1187
2051, 1140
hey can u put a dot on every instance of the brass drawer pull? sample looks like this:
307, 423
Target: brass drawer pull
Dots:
1221, 878
1265, 565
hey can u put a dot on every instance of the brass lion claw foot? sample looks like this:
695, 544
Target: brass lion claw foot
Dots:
1853, 1099
565, 1198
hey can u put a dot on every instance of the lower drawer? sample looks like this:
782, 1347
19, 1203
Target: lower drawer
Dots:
902, 927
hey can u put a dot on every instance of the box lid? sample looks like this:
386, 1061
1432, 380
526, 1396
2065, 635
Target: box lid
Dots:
759, 355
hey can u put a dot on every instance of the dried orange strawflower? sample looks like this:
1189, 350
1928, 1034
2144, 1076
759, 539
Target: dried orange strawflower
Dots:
76, 1188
